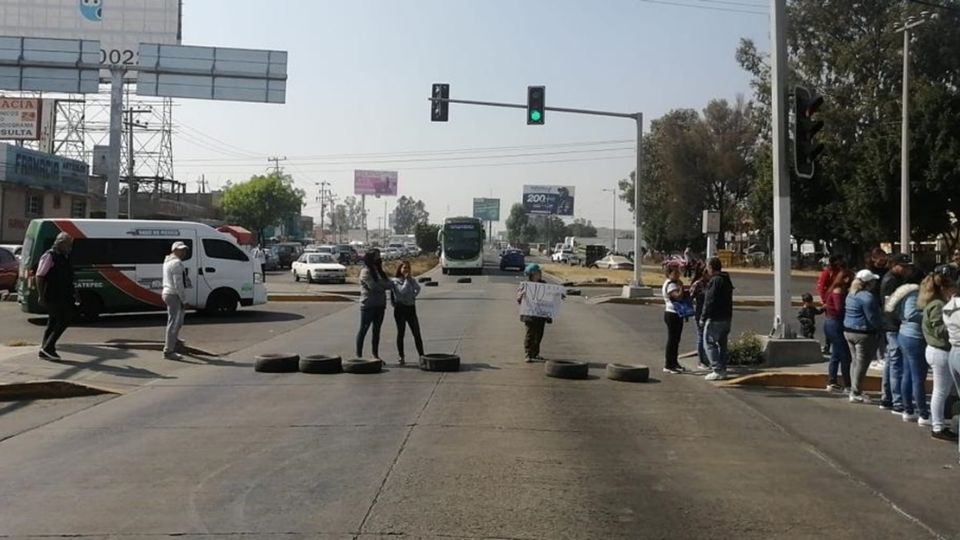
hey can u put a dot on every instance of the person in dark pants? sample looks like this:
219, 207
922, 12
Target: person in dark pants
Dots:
697, 291
672, 291
891, 397
57, 293
373, 300
404, 298
535, 325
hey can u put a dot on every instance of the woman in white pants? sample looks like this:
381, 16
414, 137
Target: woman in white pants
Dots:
935, 291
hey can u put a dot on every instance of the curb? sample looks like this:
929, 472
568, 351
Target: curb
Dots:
150, 346
812, 381
51, 389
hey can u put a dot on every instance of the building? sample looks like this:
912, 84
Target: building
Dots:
37, 185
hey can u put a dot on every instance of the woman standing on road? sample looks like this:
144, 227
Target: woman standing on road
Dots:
862, 323
935, 291
373, 300
903, 304
672, 291
404, 298
835, 298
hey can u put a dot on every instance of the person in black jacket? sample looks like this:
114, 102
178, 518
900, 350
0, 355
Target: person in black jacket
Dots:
716, 318
891, 398
57, 293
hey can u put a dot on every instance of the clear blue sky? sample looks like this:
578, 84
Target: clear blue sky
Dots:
360, 73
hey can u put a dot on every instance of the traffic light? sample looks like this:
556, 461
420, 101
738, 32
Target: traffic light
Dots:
535, 105
439, 110
806, 149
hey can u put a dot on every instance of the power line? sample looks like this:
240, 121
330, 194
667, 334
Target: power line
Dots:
733, 3
711, 8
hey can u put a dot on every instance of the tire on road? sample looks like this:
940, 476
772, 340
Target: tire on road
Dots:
465, 280
425, 280
321, 364
566, 369
628, 373
440, 362
362, 366
574, 292
277, 363
431, 284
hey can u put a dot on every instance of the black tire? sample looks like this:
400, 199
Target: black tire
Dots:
222, 302
321, 364
566, 369
361, 366
465, 280
574, 292
277, 363
444, 271
440, 362
431, 284
424, 279
593, 266
296, 277
628, 373
91, 306
309, 277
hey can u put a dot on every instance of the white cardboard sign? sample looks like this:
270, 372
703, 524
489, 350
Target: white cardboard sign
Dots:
541, 299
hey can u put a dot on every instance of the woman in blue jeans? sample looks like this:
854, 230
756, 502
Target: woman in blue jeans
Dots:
903, 303
834, 305
374, 285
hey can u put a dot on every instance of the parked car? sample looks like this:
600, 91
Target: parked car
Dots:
319, 267
613, 262
16, 249
565, 255
9, 269
512, 258
412, 249
270, 261
391, 254
287, 253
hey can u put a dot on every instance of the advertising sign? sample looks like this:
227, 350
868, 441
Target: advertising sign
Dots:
375, 183
486, 209
19, 119
551, 200
34, 169
541, 299
120, 25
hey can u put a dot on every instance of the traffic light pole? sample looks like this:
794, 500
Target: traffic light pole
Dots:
636, 287
781, 176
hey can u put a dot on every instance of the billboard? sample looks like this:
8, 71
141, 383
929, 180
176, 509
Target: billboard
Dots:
486, 209
375, 183
555, 200
120, 25
32, 169
19, 119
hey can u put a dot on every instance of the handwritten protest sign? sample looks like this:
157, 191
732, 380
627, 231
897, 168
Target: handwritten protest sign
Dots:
541, 299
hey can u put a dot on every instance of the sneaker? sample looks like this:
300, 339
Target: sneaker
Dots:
703, 367
680, 368
896, 412
46, 355
910, 417
944, 435
528, 359
859, 398
402, 362
172, 356
715, 376
672, 370
924, 421
886, 406
539, 358
834, 387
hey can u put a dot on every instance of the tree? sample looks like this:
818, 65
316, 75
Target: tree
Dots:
340, 220
581, 228
517, 221
353, 212
427, 237
261, 202
408, 214
547, 229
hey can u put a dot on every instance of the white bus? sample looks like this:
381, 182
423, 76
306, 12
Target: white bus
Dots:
461, 245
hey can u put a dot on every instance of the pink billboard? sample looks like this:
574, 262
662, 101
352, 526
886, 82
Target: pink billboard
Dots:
375, 183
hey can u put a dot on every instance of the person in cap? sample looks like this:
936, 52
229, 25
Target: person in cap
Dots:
901, 266
534, 325
57, 293
862, 323
175, 297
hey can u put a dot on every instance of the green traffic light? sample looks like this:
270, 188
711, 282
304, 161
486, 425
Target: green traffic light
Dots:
536, 116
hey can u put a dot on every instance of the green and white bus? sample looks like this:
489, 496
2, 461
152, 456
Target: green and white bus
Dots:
118, 265
461, 245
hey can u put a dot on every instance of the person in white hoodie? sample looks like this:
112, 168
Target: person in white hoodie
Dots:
951, 318
175, 297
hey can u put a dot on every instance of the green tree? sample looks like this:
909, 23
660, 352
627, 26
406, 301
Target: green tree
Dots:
517, 221
581, 228
408, 214
261, 202
353, 212
427, 237
340, 221
547, 229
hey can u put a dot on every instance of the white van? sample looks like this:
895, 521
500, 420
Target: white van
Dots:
118, 265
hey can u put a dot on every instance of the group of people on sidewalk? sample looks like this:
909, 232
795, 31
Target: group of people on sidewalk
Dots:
906, 319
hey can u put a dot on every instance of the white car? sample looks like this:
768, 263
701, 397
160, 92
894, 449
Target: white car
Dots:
16, 249
565, 256
319, 267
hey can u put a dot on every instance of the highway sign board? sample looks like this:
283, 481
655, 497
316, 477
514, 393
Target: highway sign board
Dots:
486, 209
549, 200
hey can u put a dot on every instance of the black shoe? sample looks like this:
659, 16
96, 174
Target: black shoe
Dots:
46, 355
675, 370
944, 435
402, 361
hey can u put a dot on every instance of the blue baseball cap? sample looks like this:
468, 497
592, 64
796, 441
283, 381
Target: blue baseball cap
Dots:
531, 269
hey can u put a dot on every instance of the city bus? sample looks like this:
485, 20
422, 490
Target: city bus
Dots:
118, 265
461, 245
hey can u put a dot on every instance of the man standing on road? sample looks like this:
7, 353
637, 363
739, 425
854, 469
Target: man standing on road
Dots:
57, 293
891, 398
260, 256
716, 318
175, 297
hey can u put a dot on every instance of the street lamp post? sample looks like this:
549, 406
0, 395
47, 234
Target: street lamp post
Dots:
614, 191
909, 24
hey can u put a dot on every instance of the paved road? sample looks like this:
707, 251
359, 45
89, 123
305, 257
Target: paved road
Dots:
495, 451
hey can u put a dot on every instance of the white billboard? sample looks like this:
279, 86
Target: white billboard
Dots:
19, 119
375, 183
120, 25
551, 200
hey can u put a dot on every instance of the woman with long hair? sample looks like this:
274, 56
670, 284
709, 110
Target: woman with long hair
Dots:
672, 291
698, 288
835, 297
903, 304
373, 300
862, 323
935, 291
404, 297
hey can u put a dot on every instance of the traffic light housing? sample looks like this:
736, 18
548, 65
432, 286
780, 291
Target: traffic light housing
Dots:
536, 105
440, 110
806, 149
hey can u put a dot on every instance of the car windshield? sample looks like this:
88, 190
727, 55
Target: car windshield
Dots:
321, 258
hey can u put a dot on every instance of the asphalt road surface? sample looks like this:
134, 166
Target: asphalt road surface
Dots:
495, 451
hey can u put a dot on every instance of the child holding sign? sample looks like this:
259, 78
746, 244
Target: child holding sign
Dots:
538, 306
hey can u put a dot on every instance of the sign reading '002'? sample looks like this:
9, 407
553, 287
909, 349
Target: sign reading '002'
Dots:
19, 119
119, 25
551, 200
486, 209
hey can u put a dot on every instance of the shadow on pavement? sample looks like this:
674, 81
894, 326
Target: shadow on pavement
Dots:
144, 320
477, 366
99, 356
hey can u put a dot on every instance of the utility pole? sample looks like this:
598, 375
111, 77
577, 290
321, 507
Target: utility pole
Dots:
613, 249
276, 163
781, 177
363, 211
203, 183
116, 133
131, 161
323, 191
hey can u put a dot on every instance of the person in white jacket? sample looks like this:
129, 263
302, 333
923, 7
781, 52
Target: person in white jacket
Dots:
951, 318
175, 297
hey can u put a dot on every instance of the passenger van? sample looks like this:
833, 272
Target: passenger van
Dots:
118, 265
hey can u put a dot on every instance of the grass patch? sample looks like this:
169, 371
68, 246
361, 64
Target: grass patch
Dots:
615, 278
418, 265
19, 343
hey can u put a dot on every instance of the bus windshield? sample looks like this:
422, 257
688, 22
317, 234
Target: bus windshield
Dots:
462, 240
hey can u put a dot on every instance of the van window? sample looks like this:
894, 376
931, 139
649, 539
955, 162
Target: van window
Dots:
6, 256
221, 249
122, 251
